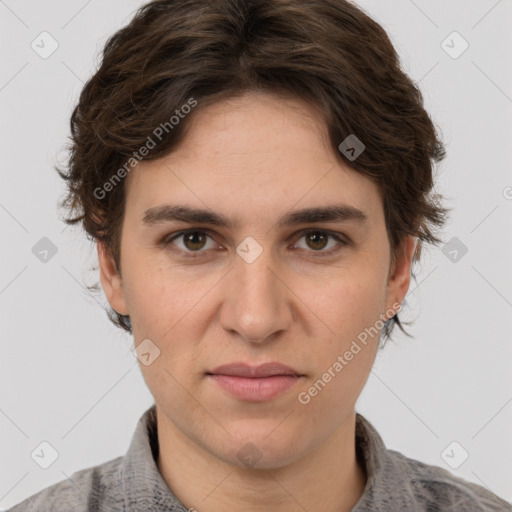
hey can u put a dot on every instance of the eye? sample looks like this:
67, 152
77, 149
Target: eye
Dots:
191, 241
318, 241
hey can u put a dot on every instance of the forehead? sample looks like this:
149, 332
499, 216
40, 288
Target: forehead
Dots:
258, 154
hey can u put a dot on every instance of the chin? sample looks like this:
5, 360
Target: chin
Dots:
259, 451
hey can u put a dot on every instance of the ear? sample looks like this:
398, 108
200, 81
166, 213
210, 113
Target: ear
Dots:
111, 280
400, 272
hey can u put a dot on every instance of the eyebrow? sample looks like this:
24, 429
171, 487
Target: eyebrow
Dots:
331, 213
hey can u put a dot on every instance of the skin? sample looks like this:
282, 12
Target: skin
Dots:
254, 159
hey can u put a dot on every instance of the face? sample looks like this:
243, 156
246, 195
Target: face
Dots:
289, 262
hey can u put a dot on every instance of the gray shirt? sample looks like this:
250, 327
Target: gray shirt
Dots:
132, 482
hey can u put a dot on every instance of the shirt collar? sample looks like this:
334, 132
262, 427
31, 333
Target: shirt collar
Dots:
143, 486
387, 487
388, 476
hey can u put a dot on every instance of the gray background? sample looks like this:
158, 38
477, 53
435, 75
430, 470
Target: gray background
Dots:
69, 378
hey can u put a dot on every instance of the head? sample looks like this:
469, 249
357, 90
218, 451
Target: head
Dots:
240, 110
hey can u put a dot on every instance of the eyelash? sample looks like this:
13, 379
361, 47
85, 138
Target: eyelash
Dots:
197, 254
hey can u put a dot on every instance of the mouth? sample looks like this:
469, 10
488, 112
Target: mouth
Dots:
255, 383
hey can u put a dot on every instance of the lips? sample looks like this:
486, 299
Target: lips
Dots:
263, 370
254, 383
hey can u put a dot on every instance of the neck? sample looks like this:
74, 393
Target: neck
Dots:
329, 478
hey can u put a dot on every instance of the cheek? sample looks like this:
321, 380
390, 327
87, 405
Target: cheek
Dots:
171, 310
349, 302
343, 359
155, 300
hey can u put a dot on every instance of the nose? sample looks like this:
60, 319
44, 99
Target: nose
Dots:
257, 304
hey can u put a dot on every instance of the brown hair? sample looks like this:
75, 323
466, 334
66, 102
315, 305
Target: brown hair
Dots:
327, 52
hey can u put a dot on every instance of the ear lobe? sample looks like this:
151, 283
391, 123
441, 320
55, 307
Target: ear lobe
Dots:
400, 277
111, 280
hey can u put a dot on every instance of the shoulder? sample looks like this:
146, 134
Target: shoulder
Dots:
402, 484
434, 488
95, 489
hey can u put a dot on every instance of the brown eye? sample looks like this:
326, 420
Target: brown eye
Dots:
317, 239
322, 242
189, 242
194, 241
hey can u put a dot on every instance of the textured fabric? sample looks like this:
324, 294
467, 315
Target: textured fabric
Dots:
133, 483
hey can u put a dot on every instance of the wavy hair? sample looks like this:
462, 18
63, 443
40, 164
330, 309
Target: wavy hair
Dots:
329, 53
